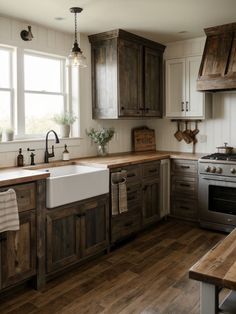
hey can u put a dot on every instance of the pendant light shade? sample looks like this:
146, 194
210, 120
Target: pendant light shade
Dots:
76, 57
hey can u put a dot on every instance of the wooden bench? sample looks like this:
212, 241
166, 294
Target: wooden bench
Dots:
216, 270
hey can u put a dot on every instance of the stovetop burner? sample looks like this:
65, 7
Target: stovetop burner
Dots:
219, 156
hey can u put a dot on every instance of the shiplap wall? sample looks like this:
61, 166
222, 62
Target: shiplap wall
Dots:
219, 129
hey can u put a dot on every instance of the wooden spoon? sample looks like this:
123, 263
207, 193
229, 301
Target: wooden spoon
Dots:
178, 134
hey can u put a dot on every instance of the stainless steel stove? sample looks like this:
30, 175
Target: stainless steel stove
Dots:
217, 191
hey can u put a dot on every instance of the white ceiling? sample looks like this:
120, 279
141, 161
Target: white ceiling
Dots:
160, 20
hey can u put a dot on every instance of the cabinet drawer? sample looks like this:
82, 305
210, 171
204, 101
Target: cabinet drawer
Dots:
133, 195
184, 166
151, 169
133, 173
184, 208
25, 195
125, 224
184, 185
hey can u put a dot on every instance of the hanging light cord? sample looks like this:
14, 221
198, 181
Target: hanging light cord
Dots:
76, 27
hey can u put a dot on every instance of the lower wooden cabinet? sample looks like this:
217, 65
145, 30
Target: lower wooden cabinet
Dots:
143, 197
151, 201
184, 189
18, 251
74, 232
94, 227
63, 232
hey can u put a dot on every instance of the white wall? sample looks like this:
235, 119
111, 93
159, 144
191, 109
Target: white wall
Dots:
55, 42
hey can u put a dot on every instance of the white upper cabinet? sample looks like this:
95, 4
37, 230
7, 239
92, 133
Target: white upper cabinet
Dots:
182, 99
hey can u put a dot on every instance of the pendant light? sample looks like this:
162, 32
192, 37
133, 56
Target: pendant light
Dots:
76, 57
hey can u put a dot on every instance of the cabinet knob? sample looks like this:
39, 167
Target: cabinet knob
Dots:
182, 104
187, 108
122, 108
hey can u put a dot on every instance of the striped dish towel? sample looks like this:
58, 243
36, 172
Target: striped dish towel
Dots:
9, 216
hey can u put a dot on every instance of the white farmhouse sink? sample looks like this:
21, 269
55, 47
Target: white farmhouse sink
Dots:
72, 183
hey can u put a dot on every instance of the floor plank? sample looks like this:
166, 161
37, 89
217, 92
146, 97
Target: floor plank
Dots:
148, 275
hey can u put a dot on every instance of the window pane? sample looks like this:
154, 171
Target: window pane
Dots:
42, 74
39, 111
4, 69
5, 109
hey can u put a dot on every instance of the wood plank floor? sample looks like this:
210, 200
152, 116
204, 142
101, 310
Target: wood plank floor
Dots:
148, 275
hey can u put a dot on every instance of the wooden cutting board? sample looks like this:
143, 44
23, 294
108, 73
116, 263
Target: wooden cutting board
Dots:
143, 139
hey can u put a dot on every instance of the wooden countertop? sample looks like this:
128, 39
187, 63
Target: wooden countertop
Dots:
124, 159
14, 175
218, 266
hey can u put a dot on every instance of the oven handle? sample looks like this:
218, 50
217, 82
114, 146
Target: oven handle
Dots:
218, 180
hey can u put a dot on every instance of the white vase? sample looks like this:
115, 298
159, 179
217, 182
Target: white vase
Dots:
9, 136
65, 130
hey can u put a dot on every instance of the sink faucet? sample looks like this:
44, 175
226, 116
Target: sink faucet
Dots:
48, 155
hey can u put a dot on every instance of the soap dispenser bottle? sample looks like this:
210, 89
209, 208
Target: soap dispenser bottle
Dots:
65, 154
20, 159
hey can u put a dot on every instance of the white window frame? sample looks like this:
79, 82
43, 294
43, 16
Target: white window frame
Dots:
11, 85
21, 90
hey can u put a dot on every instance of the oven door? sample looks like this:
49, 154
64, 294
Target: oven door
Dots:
217, 200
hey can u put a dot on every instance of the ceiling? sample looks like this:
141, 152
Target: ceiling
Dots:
160, 20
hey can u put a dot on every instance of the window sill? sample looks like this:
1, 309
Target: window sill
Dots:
37, 143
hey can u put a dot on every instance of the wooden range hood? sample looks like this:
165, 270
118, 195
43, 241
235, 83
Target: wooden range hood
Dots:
218, 67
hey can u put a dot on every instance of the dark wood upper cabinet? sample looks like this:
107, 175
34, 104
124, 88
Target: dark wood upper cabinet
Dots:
127, 76
218, 67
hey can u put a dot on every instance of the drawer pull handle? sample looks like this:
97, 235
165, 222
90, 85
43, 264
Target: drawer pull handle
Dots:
131, 198
184, 207
152, 170
127, 224
130, 175
185, 167
185, 185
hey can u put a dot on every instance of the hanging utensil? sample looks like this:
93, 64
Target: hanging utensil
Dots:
196, 130
187, 134
178, 134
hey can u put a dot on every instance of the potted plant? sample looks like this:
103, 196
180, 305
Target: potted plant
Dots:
101, 137
9, 134
65, 120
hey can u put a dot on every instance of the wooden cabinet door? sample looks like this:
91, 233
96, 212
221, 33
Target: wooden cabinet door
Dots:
130, 78
175, 88
153, 83
18, 251
194, 99
104, 79
62, 238
151, 201
94, 226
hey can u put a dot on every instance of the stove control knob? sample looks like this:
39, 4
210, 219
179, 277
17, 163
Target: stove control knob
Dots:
218, 170
207, 169
213, 169
233, 170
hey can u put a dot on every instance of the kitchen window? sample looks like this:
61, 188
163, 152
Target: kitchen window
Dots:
44, 92
6, 88
33, 88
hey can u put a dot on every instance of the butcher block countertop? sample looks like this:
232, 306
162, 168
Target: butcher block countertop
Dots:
125, 159
218, 266
14, 175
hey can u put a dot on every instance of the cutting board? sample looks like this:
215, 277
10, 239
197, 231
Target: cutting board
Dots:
143, 139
